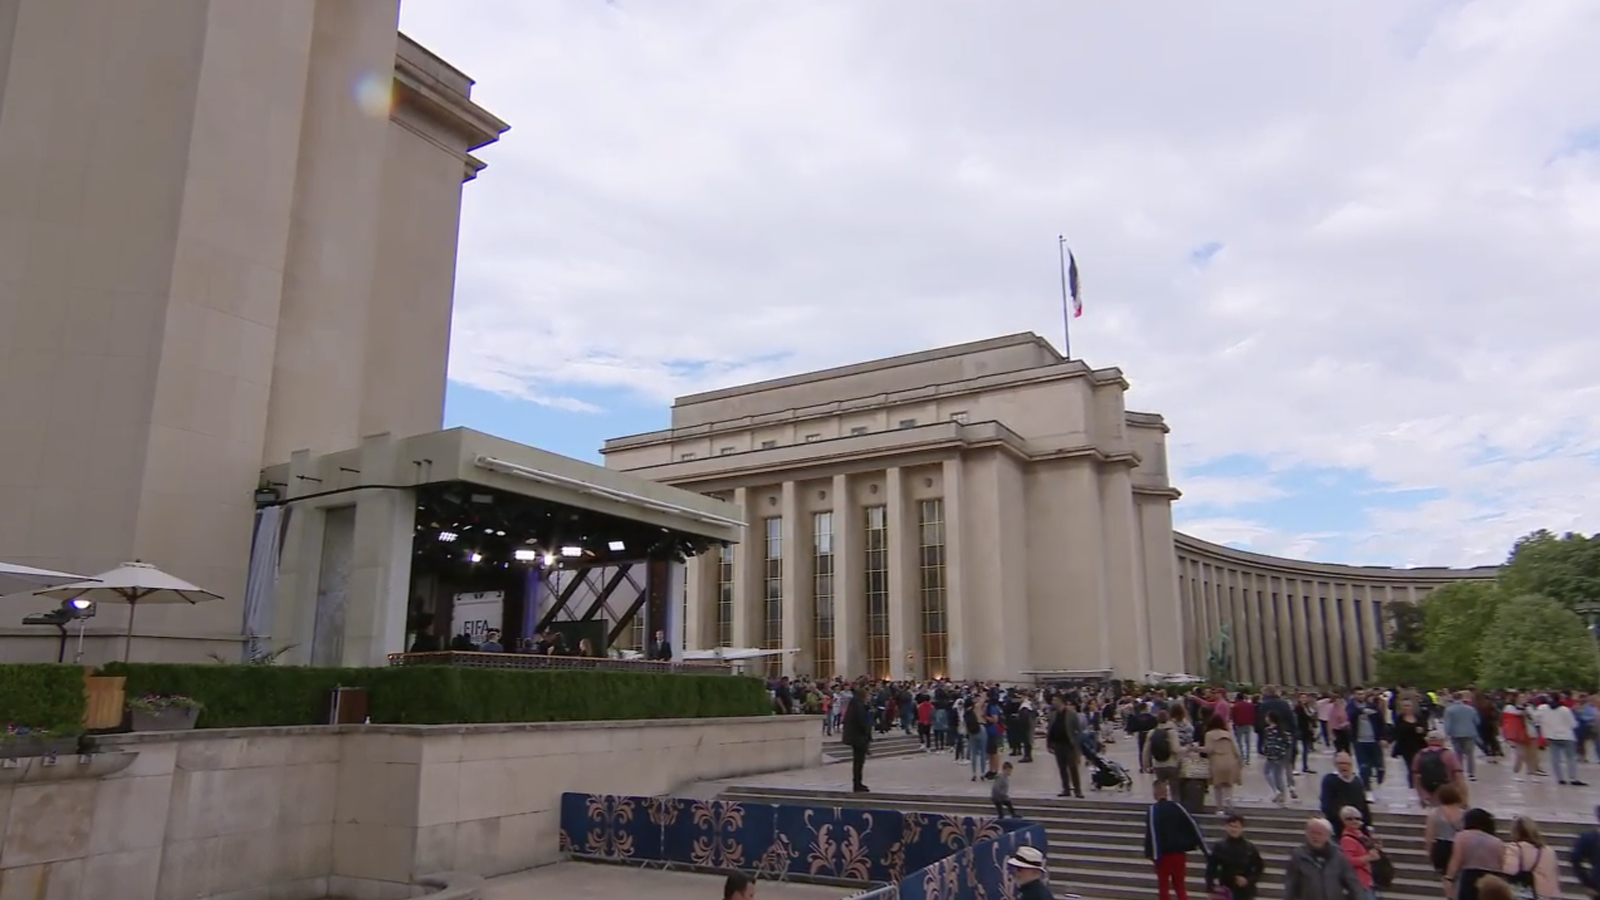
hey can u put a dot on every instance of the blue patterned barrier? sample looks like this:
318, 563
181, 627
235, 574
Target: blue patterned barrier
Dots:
914, 856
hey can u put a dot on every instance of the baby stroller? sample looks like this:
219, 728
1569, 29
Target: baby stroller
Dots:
1108, 775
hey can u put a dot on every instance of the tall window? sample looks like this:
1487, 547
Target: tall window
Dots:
725, 596
877, 569
935, 621
822, 591
772, 592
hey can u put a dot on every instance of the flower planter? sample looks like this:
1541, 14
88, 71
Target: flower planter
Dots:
30, 746
172, 718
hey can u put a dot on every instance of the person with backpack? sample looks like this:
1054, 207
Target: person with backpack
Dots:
1436, 766
1163, 750
977, 738
1276, 748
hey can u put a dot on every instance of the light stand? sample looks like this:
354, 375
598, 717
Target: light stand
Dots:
70, 610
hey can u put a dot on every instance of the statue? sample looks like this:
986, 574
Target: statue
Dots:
1219, 661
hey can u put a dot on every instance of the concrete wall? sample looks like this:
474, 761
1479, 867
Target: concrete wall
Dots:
354, 811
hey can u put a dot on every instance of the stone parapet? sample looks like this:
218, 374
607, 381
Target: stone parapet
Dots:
367, 812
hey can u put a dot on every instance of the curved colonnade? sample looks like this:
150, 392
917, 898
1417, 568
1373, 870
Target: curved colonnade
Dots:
1291, 622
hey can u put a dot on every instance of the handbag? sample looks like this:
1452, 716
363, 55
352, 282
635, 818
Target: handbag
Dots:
1197, 768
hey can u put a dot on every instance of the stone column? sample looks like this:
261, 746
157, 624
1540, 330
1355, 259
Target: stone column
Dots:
700, 571
294, 614
905, 583
747, 575
1350, 632
799, 621
849, 577
380, 576
955, 593
318, 366
1125, 608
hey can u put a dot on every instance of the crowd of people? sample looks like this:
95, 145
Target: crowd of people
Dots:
1196, 745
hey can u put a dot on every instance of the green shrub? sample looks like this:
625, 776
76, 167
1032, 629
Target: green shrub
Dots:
42, 696
238, 696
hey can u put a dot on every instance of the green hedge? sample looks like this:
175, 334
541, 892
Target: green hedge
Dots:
239, 696
46, 696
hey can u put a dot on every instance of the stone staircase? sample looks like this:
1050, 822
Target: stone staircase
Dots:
1097, 846
884, 746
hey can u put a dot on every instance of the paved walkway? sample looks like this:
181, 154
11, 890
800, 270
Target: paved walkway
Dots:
938, 775
582, 881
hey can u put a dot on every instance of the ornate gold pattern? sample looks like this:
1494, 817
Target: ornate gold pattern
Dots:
720, 849
663, 811
841, 854
609, 838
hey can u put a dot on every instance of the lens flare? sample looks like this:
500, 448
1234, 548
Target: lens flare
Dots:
375, 95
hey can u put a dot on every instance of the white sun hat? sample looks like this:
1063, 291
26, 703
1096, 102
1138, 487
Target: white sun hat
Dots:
1026, 858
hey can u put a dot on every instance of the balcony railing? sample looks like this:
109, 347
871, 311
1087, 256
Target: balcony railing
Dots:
473, 660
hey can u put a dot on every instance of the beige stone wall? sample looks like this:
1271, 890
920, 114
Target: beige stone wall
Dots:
204, 225
358, 812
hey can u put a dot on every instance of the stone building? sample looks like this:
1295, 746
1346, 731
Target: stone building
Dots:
989, 510
227, 233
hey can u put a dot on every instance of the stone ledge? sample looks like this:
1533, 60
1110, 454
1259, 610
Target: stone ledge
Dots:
205, 734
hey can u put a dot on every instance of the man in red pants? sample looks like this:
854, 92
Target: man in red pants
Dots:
1170, 835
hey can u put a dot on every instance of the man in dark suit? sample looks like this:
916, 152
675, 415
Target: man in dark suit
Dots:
1065, 740
857, 733
660, 650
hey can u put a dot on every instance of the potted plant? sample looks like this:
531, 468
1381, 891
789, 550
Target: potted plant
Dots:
163, 712
21, 742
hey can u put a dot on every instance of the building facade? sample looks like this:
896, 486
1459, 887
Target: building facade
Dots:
227, 233
1284, 621
989, 511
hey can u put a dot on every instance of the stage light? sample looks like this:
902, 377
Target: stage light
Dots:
617, 546
447, 537
475, 557
572, 552
499, 533
549, 560
525, 555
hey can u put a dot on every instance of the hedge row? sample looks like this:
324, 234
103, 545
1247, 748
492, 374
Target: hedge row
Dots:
42, 696
241, 696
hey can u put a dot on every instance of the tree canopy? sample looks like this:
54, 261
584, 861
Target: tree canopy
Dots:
1520, 630
1538, 642
1565, 569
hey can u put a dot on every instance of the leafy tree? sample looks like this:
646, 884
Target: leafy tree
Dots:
1538, 643
1457, 616
1407, 626
1565, 569
1402, 667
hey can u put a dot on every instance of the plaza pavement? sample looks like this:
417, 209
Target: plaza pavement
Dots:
597, 881
938, 775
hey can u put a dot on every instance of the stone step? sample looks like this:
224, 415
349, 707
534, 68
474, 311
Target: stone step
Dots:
1097, 849
1102, 808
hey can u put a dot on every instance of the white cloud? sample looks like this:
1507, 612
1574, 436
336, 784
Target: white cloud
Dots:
697, 194
1226, 492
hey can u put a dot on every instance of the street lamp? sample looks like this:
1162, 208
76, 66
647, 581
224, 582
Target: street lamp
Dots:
77, 609
1591, 616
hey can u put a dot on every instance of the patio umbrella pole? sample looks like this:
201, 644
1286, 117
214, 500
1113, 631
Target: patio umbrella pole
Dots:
127, 639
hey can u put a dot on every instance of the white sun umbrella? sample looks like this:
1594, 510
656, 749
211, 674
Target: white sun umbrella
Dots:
133, 583
15, 578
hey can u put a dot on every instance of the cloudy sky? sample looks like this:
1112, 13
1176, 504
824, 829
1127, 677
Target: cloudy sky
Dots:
1350, 250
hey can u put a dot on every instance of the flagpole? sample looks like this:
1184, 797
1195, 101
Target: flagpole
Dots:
1066, 301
